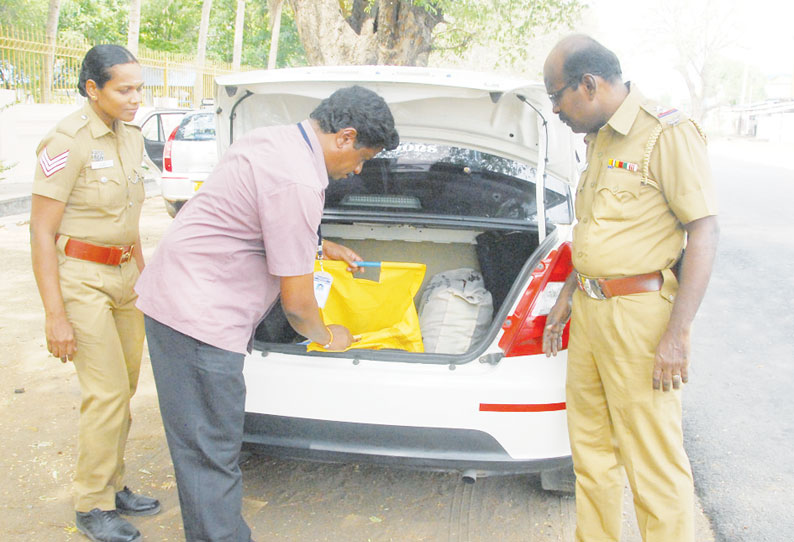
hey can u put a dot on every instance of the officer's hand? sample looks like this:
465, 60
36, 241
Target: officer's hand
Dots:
335, 251
555, 325
670, 367
342, 337
60, 338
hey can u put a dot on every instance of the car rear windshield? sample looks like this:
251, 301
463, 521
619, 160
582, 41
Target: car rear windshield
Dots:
446, 181
199, 127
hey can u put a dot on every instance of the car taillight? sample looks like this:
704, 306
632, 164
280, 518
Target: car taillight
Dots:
167, 151
524, 328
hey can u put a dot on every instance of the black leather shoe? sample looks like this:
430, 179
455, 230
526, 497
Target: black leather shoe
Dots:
131, 504
106, 526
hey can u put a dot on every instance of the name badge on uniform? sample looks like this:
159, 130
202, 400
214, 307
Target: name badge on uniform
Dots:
101, 164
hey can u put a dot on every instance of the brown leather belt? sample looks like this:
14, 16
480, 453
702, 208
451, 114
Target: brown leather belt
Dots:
95, 253
606, 288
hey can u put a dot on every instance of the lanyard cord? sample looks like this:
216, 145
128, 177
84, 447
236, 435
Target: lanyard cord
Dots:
319, 233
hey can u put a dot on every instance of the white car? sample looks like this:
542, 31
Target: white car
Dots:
155, 125
482, 180
189, 155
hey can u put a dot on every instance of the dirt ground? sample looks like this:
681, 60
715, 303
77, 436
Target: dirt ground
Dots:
283, 500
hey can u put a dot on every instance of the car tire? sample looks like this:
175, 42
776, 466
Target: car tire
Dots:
173, 207
562, 479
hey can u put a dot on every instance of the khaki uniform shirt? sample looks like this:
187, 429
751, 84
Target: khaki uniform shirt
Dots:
97, 173
627, 226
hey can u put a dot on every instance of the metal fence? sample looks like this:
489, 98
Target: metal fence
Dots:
169, 79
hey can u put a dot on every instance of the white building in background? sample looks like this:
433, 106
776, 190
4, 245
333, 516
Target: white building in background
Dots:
772, 121
780, 87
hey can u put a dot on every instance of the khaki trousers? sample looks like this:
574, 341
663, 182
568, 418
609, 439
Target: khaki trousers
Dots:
616, 419
100, 305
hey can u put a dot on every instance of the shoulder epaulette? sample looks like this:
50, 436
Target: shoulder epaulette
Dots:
73, 123
667, 118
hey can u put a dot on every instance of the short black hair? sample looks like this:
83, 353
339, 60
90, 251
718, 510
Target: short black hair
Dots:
591, 57
362, 109
97, 63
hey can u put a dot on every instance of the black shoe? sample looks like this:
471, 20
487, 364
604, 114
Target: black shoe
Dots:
106, 526
131, 504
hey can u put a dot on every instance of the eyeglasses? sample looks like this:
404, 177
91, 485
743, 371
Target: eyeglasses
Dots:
555, 97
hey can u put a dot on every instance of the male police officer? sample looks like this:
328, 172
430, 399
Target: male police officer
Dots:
645, 193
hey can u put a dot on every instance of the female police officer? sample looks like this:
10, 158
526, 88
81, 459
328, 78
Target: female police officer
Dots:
87, 197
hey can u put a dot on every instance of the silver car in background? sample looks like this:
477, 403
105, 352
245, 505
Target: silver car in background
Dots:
189, 155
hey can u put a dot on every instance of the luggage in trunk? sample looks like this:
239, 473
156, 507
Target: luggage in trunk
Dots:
497, 255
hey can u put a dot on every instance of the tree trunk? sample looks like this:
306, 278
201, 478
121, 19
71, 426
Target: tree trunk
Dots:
239, 25
134, 30
394, 32
201, 53
695, 97
274, 11
49, 61
404, 33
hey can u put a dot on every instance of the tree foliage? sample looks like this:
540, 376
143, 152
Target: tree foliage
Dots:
736, 80
33, 12
166, 25
508, 26
443, 27
100, 21
170, 25
407, 31
699, 31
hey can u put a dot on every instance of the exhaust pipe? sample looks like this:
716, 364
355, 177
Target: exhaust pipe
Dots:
469, 476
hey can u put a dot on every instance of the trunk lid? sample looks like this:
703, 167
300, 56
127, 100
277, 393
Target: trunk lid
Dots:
492, 113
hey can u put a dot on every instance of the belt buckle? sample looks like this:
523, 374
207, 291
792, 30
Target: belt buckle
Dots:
590, 287
125, 256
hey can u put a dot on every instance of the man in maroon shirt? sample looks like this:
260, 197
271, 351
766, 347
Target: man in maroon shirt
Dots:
248, 235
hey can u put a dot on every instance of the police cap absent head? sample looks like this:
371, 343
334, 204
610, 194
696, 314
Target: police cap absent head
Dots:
362, 109
97, 63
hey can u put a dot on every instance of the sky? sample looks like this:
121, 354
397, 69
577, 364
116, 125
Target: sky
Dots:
762, 32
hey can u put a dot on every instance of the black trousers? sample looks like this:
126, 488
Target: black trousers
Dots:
202, 401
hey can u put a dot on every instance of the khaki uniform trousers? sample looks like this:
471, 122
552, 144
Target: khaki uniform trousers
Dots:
100, 304
616, 418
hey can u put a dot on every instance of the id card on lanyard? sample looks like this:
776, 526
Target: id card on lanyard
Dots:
322, 279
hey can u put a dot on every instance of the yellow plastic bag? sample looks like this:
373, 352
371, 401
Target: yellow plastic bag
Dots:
381, 313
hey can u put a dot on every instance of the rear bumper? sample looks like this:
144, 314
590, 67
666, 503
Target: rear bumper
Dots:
512, 412
419, 447
179, 188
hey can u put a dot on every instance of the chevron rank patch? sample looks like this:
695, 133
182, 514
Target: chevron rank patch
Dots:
53, 165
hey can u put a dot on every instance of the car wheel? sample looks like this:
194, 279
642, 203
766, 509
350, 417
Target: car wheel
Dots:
173, 207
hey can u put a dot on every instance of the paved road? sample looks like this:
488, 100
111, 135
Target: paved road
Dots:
739, 406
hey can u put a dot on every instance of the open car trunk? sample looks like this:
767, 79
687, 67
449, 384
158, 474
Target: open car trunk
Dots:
449, 208
498, 255
480, 180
